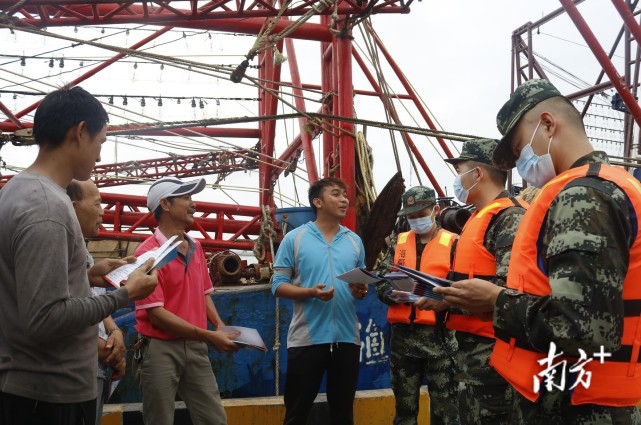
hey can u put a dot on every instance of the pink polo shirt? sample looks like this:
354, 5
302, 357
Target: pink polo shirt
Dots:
181, 289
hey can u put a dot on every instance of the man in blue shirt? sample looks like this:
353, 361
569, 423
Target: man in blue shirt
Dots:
323, 335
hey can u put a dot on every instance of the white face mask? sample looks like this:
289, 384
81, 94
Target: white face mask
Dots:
459, 191
421, 225
534, 169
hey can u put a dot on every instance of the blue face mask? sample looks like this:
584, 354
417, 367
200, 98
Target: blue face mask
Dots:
459, 191
534, 169
421, 225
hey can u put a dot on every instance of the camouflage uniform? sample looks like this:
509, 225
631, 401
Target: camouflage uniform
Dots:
582, 311
420, 351
485, 397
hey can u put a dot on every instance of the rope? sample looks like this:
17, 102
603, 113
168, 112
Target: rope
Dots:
261, 39
363, 155
267, 233
387, 100
390, 110
271, 233
13, 8
276, 347
317, 117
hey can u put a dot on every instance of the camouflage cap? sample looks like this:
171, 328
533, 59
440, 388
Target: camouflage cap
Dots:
479, 150
417, 199
524, 98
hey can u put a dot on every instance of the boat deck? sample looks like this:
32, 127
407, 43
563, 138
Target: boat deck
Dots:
371, 407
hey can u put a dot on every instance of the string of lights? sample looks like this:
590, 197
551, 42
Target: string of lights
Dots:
62, 59
110, 97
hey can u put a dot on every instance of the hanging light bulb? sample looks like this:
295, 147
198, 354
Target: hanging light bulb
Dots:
142, 102
124, 101
178, 101
162, 66
82, 63
75, 29
102, 31
51, 63
135, 65
111, 100
160, 101
23, 61
201, 104
62, 63
193, 102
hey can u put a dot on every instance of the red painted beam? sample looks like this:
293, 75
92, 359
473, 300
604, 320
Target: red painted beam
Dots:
14, 120
602, 56
202, 207
408, 88
242, 133
346, 140
146, 220
208, 244
408, 138
55, 13
306, 139
269, 72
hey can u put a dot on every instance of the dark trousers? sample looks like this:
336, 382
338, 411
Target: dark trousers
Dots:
305, 369
16, 410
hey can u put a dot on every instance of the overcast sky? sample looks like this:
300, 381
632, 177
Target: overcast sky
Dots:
455, 53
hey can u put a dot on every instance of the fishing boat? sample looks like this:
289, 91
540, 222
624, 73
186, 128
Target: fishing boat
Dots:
178, 79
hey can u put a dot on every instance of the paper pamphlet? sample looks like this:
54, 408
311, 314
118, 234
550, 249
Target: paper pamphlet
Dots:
401, 281
425, 282
358, 275
248, 338
163, 255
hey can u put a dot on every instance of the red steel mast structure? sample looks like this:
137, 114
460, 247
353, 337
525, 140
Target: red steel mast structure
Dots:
338, 61
526, 66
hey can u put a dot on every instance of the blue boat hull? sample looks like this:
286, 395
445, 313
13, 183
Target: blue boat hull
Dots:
250, 373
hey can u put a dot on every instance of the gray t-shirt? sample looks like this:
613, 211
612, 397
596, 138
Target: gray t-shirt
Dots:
102, 332
48, 319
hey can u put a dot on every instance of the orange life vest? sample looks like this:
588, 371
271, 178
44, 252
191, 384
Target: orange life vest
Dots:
615, 382
435, 260
473, 260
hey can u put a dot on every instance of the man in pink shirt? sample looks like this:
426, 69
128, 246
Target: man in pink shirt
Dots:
172, 321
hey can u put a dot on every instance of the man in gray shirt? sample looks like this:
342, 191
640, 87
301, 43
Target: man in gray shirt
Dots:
47, 317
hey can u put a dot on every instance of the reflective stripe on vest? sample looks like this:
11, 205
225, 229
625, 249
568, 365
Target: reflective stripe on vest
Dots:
617, 381
435, 260
473, 260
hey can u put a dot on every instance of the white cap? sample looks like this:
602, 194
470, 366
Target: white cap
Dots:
171, 186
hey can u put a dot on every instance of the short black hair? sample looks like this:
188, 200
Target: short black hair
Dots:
316, 189
158, 211
63, 109
74, 190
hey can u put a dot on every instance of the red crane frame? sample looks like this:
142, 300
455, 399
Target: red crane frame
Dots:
338, 58
525, 66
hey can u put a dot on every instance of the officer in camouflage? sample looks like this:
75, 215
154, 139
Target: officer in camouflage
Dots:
483, 250
420, 345
573, 279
